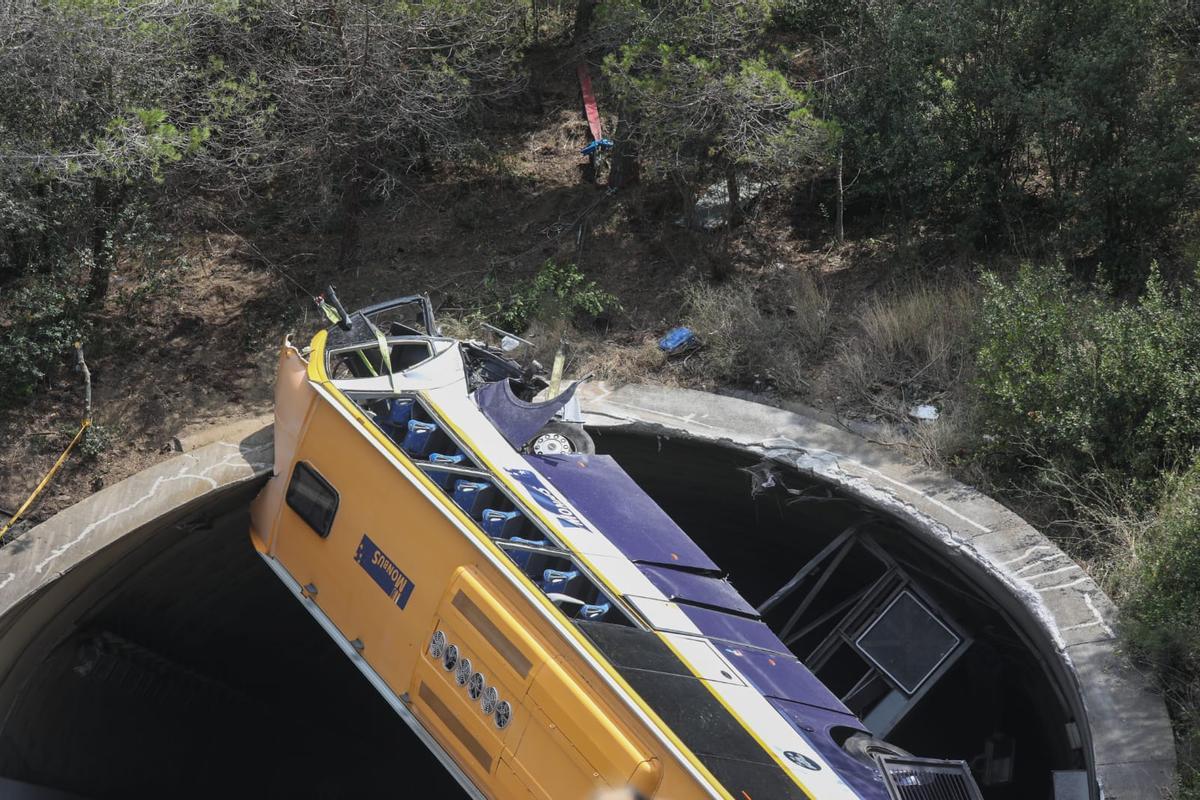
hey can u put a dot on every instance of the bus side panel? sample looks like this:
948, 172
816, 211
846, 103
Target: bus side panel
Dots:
572, 742
387, 533
294, 398
456, 721
381, 572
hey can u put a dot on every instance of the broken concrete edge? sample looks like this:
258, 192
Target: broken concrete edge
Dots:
236, 430
48, 551
1123, 723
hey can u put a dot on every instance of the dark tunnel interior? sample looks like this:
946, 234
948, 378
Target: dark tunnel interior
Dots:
200, 676
997, 695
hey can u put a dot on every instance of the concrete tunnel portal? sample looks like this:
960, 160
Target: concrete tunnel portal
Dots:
173, 663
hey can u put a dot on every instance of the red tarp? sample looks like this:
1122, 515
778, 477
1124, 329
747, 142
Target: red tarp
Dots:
589, 103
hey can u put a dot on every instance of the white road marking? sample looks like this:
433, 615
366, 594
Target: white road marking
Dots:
1037, 562
666, 414
918, 492
182, 475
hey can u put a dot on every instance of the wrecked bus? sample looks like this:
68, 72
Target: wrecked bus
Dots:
542, 626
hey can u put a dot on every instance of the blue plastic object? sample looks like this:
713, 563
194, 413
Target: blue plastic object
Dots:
519, 540
472, 496
395, 421
419, 437
593, 611
501, 524
443, 478
553, 579
522, 557
678, 340
597, 144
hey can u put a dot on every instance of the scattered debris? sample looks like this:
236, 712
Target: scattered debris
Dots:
711, 211
678, 341
596, 144
924, 413
765, 478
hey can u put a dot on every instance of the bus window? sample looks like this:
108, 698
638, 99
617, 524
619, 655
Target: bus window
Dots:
312, 498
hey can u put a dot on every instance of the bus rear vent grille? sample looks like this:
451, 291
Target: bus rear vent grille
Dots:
928, 779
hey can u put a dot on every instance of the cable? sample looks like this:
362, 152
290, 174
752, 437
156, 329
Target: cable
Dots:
268, 261
41, 487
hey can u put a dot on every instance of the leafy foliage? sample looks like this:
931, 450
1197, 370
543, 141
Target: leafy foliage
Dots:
1095, 383
108, 102
755, 340
1002, 116
703, 96
557, 292
45, 323
1163, 597
1160, 601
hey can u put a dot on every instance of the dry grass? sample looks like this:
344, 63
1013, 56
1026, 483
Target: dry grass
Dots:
910, 347
619, 364
760, 338
587, 353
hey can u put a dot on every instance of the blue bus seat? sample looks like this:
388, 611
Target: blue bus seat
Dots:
419, 438
588, 611
557, 580
395, 421
501, 524
473, 496
441, 478
535, 543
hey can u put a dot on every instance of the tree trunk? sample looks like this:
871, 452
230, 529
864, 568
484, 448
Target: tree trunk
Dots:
688, 198
348, 213
103, 244
841, 200
585, 11
623, 170
733, 214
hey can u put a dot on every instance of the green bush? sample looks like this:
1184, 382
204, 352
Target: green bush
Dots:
758, 339
43, 322
1068, 117
1160, 589
556, 293
1092, 384
1160, 599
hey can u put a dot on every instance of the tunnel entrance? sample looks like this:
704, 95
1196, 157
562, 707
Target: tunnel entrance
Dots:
953, 678
198, 676
181, 667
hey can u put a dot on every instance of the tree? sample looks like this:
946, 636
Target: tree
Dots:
704, 100
1065, 116
84, 127
344, 98
110, 102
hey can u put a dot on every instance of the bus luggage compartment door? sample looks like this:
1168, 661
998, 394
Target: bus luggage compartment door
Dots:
510, 709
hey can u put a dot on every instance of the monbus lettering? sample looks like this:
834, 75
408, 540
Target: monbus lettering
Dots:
384, 571
545, 498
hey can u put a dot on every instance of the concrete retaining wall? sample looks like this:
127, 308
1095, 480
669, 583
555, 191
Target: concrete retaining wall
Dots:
50, 569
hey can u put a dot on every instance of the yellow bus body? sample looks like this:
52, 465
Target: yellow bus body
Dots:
575, 726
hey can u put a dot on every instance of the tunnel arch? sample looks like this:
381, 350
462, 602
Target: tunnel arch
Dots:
79, 595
